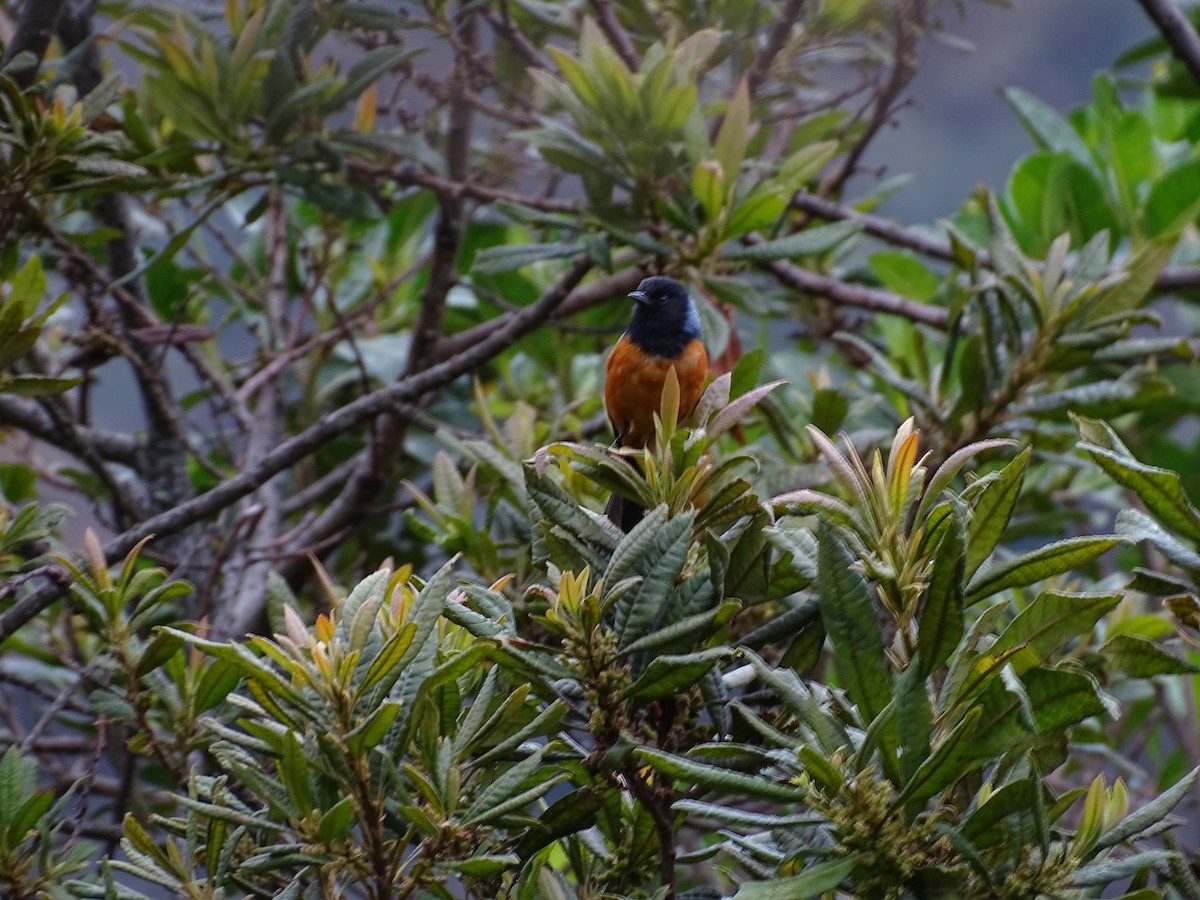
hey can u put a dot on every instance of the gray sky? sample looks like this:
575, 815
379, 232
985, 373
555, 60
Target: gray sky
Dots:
961, 132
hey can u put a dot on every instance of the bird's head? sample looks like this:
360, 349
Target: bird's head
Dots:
665, 319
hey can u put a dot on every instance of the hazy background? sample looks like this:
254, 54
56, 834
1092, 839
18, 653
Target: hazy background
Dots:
960, 132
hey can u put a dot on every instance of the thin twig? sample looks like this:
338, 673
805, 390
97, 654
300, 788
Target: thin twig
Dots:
34, 30
114, 446
501, 333
370, 173
855, 295
244, 595
907, 17
1173, 24
1174, 279
777, 39
503, 24
617, 36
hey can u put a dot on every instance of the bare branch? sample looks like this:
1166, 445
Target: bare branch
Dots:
366, 173
245, 585
1175, 27
17, 412
447, 236
908, 16
777, 39
35, 28
876, 226
855, 295
1176, 279
617, 36
500, 335
503, 24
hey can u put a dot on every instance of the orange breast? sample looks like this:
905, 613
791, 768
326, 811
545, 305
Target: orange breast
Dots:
634, 383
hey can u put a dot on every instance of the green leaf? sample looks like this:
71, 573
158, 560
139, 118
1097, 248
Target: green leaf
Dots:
389, 660
336, 821
708, 620
1160, 489
1173, 201
485, 865
507, 786
569, 814
1047, 127
812, 882
853, 626
1136, 525
708, 186
26, 290
716, 778
1060, 698
1141, 269
372, 730
293, 772
667, 676
808, 242
18, 777
1131, 155
1107, 869
656, 548
1049, 623
1036, 565
947, 471
36, 385
373, 65
28, 815
904, 274
506, 257
950, 761
1140, 657
220, 677
941, 618
1150, 814
730, 145
914, 717
980, 826
545, 723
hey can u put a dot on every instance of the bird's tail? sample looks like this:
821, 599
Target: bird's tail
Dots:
623, 513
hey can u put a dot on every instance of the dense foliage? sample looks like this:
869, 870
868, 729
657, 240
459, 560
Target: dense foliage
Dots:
304, 307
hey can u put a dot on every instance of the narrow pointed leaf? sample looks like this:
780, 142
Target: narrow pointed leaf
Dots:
1036, 565
852, 622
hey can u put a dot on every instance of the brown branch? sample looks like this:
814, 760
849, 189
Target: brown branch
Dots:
501, 333
1175, 27
856, 295
586, 297
1176, 279
777, 39
365, 173
879, 227
447, 236
245, 593
907, 18
389, 430
657, 803
617, 36
35, 28
17, 412
503, 25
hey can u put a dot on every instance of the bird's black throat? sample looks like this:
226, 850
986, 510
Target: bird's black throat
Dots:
659, 333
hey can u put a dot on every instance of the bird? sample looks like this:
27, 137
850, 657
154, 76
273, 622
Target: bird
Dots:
664, 332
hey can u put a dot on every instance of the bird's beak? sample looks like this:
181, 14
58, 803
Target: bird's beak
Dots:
640, 296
